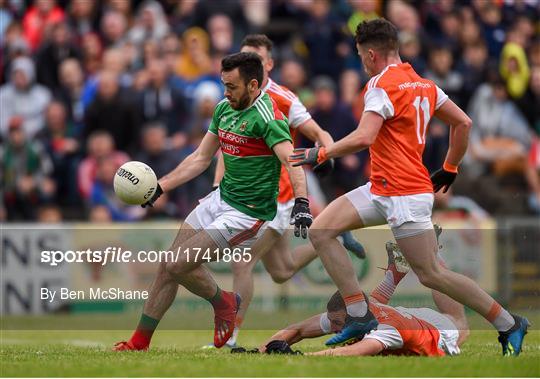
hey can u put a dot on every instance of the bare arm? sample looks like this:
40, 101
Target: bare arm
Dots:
460, 125
360, 139
297, 175
315, 133
220, 170
368, 346
309, 328
193, 165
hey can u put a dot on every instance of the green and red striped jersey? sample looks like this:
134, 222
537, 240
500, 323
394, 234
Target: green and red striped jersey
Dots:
251, 180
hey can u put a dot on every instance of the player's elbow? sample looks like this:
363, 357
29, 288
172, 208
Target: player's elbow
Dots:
466, 124
365, 141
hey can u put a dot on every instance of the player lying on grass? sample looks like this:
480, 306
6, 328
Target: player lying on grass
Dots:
400, 331
255, 139
398, 106
273, 246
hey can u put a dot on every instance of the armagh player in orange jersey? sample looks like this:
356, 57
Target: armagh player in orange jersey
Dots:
401, 331
272, 248
398, 105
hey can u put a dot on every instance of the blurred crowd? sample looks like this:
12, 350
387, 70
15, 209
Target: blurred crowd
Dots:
87, 85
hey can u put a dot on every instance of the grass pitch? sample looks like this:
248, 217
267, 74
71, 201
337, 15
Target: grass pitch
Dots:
68, 353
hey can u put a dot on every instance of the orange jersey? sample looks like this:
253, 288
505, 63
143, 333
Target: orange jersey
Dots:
407, 102
418, 337
289, 104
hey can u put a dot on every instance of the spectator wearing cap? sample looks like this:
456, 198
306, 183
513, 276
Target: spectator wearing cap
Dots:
23, 97
26, 170
39, 19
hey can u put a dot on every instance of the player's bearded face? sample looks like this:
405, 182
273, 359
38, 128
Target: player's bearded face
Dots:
236, 90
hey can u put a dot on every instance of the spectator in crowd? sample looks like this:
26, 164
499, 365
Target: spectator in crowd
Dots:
114, 113
205, 98
51, 55
194, 61
470, 33
349, 83
60, 139
71, 78
441, 72
221, 30
362, 10
39, 19
102, 194
26, 171
514, 67
13, 48
91, 53
114, 29
293, 76
337, 119
327, 44
100, 146
150, 24
161, 101
5, 19
500, 137
410, 51
82, 17
182, 16
473, 68
49, 214
492, 27
23, 97
449, 33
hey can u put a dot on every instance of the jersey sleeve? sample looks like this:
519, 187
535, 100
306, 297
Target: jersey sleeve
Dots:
441, 98
376, 100
298, 113
387, 335
324, 323
276, 131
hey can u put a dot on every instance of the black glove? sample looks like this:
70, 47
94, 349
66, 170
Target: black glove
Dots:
280, 347
312, 156
301, 217
324, 169
155, 196
442, 179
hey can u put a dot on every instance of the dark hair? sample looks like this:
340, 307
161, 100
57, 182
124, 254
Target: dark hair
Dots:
379, 34
249, 65
258, 40
336, 303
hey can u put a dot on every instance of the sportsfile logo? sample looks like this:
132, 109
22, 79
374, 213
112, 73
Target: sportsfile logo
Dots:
122, 173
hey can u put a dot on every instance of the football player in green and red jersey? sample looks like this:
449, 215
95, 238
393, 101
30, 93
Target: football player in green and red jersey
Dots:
255, 139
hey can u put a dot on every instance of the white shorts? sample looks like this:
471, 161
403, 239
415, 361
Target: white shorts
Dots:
448, 332
407, 215
282, 221
226, 225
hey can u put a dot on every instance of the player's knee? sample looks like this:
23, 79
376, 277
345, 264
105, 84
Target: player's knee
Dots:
428, 277
319, 236
175, 269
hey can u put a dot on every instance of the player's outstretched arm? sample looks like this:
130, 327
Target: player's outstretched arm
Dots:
361, 138
365, 347
193, 165
309, 328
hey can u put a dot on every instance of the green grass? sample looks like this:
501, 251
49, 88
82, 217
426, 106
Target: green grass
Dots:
84, 353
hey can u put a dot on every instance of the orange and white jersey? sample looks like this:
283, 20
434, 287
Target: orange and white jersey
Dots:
297, 114
410, 331
407, 102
